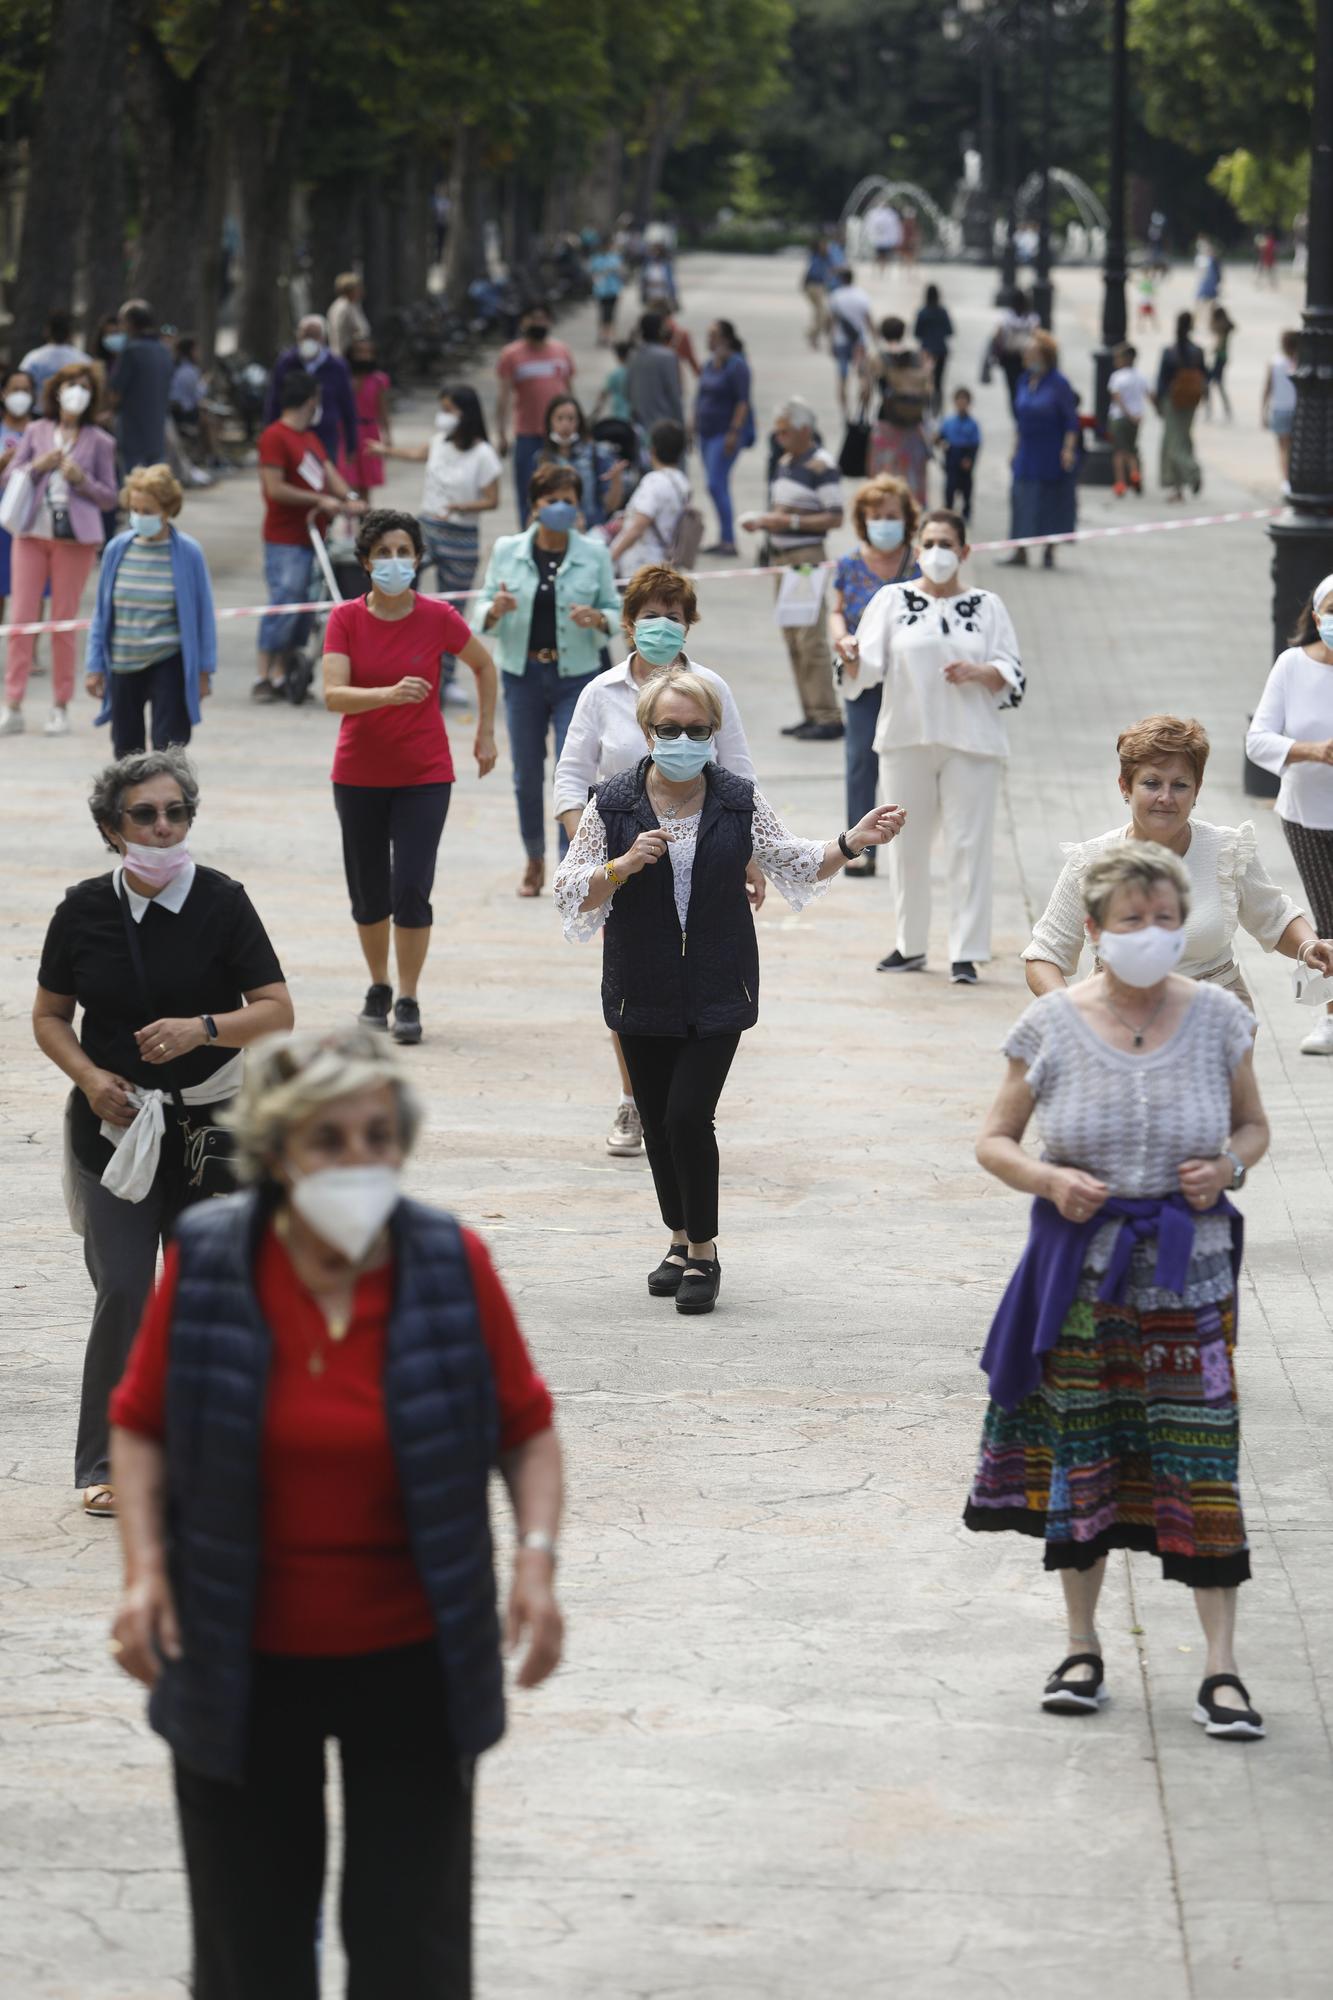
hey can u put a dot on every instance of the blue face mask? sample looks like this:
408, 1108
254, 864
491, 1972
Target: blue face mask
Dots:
1325, 625
683, 759
884, 534
115, 343
145, 526
558, 515
658, 640
393, 574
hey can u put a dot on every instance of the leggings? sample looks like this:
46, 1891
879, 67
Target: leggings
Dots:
255, 1851
391, 834
677, 1082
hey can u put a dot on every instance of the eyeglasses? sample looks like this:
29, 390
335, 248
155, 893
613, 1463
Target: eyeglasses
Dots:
671, 732
175, 815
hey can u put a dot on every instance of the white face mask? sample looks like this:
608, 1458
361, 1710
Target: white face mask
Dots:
307, 349
347, 1206
75, 398
446, 422
939, 562
1142, 958
18, 402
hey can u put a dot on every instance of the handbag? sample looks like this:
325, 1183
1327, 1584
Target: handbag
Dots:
61, 527
209, 1150
18, 502
855, 454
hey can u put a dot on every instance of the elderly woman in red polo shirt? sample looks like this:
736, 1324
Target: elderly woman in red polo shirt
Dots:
302, 1446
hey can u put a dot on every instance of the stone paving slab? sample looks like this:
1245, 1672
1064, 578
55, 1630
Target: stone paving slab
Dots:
795, 1750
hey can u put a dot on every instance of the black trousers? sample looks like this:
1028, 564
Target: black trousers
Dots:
161, 687
254, 1852
677, 1082
958, 486
391, 835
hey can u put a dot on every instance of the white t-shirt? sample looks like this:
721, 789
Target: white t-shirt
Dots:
1281, 387
1130, 389
850, 303
453, 475
661, 497
886, 228
1296, 706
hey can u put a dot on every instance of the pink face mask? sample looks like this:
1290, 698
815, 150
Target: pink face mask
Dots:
157, 865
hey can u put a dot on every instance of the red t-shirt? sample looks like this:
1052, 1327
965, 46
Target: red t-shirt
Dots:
395, 746
336, 1570
538, 375
302, 461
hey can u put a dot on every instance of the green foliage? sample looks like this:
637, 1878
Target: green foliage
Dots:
1263, 191
1217, 75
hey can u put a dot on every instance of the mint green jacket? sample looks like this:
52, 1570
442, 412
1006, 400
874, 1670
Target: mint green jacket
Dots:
584, 577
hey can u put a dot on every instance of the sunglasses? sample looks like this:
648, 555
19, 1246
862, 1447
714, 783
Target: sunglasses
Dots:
671, 732
177, 815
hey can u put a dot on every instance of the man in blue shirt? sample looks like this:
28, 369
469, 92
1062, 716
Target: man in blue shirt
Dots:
961, 437
821, 275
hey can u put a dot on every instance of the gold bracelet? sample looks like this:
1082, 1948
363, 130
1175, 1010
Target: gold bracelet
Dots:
616, 881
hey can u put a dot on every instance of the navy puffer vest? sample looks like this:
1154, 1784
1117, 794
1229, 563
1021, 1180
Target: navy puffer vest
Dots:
658, 979
439, 1395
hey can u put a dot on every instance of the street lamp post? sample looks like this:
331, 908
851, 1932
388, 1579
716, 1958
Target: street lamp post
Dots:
1115, 322
1302, 536
1043, 292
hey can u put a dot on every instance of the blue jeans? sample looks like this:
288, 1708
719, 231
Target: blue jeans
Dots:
527, 450
287, 569
858, 748
535, 699
717, 469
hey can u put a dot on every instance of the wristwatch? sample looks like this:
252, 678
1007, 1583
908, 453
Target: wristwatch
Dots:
1238, 1166
210, 1026
537, 1538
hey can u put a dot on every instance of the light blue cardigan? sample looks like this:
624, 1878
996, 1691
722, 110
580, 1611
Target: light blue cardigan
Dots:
194, 607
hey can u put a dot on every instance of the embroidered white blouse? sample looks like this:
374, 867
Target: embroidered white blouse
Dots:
791, 865
1229, 888
907, 638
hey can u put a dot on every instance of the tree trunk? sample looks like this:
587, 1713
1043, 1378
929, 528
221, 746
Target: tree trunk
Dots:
414, 242
465, 251
65, 151
650, 165
335, 233
105, 274
267, 136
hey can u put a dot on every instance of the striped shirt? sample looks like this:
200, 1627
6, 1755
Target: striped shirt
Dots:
808, 485
145, 624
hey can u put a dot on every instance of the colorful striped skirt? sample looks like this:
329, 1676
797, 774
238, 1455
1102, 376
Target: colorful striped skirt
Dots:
1132, 1440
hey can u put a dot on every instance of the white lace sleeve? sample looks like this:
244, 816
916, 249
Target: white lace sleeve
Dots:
587, 852
790, 864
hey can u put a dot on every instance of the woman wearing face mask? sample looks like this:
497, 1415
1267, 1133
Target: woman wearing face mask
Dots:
393, 770
723, 423
70, 468
153, 638
884, 516
948, 660
1043, 495
1291, 734
175, 975
680, 969
605, 736
1113, 1421
1162, 762
550, 598
20, 393
325, 1380
600, 473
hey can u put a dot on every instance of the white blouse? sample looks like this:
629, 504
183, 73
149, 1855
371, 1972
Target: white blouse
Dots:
1296, 706
1229, 888
453, 476
907, 638
603, 736
791, 865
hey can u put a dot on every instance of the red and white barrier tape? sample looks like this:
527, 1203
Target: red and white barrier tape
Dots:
724, 575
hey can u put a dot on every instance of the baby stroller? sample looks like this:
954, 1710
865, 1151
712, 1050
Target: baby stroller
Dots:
338, 576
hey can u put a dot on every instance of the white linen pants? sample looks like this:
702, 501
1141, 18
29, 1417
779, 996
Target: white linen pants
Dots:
960, 789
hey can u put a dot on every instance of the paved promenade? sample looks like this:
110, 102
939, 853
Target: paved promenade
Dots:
796, 1752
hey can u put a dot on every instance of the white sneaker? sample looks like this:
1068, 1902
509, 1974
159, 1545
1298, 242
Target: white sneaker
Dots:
1319, 1041
12, 723
57, 723
626, 1134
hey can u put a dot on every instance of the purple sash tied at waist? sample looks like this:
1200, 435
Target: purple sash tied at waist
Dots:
1038, 1297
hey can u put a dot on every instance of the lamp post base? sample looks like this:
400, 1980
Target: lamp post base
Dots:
1096, 468
1302, 555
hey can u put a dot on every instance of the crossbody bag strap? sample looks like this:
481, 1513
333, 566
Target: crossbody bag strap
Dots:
135, 950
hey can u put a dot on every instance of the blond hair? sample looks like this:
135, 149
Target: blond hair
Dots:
677, 680
161, 482
1132, 864
288, 1078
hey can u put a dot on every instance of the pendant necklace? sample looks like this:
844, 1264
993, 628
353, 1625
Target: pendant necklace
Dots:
335, 1323
1128, 1026
674, 809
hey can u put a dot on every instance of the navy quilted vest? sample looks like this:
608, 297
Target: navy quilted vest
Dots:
658, 979
443, 1420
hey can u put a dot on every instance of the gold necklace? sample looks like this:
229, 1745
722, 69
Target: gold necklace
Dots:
336, 1324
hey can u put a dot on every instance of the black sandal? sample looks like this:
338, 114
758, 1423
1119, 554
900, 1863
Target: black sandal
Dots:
1219, 1721
664, 1282
700, 1285
1082, 1697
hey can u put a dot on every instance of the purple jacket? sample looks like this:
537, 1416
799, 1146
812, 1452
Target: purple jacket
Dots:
95, 452
1045, 1285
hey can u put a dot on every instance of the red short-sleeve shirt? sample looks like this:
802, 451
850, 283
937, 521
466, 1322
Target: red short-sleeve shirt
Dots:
336, 1568
302, 460
406, 745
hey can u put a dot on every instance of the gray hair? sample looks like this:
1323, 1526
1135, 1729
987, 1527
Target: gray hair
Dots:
1132, 864
797, 412
288, 1078
314, 319
106, 801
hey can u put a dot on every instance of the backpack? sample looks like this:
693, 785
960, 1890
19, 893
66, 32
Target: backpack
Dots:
908, 380
686, 538
1187, 388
